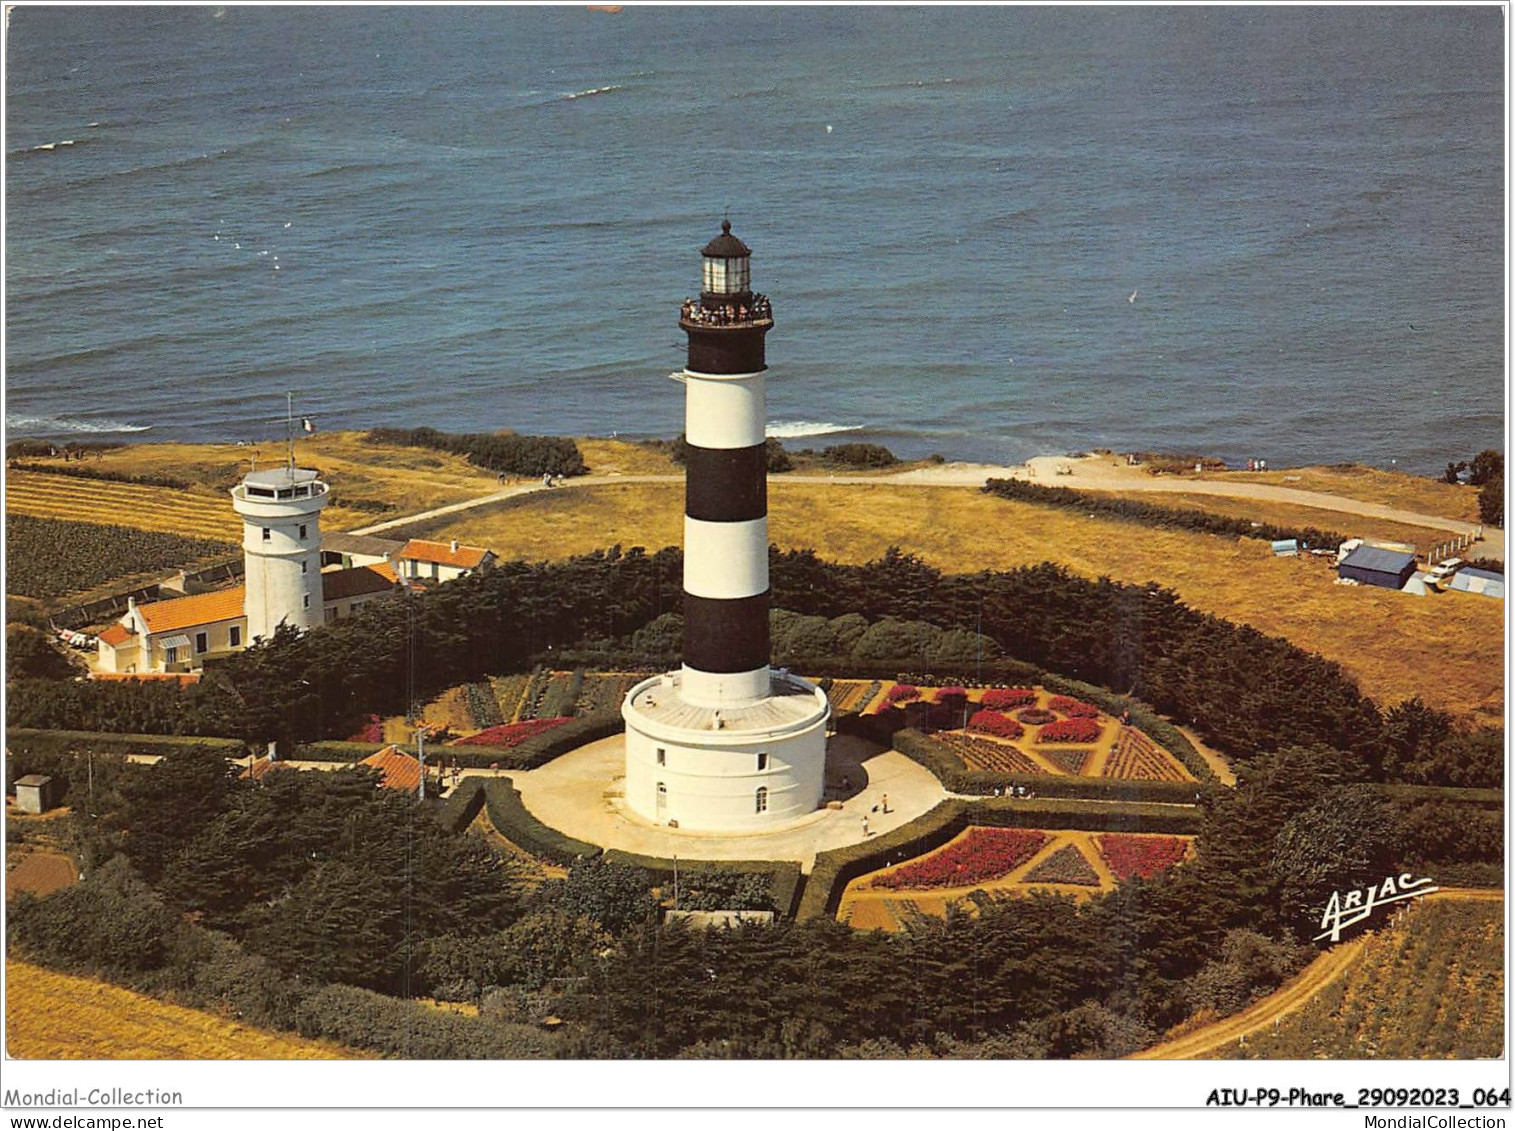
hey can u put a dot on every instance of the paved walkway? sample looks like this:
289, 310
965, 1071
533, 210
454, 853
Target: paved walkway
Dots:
580, 794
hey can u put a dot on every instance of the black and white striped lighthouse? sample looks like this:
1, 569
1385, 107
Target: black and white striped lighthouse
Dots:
726, 487
725, 744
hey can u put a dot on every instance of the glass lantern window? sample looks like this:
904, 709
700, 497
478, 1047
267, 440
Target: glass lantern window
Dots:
726, 276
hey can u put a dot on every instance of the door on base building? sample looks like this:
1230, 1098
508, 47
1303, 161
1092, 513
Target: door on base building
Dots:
662, 809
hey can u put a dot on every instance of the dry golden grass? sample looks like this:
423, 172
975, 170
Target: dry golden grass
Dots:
1292, 515
198, 513
53, 1016
1391, 488
1447, 649
402, 479
621, 457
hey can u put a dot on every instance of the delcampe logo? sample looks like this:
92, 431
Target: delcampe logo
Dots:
1361, 902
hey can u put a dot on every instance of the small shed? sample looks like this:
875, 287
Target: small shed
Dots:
1484, 581
1286, 548
36, 793
1370, 565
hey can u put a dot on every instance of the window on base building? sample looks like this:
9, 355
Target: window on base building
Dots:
302, 532
235, 635
268, 535
762, 761
202, 642
762, 799
307, 600
305, 566
662, 756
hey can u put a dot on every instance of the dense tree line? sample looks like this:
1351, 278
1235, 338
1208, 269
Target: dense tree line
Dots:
515, 455
1486, 472
1244, 691
1155, 514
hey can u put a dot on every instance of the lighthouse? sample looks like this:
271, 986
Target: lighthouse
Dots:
725, 743
281, 547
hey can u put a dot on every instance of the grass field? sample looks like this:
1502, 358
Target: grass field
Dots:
1446, 649
1431, 987
1371, 485
51, 1016
1289, 515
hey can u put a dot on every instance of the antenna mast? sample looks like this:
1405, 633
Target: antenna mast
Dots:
289, 429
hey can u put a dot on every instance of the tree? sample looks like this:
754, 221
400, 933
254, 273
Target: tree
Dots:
1454, 471
1487, 464
1346, 840
615, 896
29, 654
1491, 501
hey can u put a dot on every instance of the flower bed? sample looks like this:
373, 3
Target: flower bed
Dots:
902, 693
1130, 855
1137, 756
1069, 761
510, 734
1008, 698
1065, 866
371, 731
1073, 708
1071, 730
992, 722
1035, 716
983, 854
987, 754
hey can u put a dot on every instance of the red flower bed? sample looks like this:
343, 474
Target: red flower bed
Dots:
509, 734
992, 722
901, 692
1130, 855
1073, 708
1071, 730
1035, 716
1009, 698
373, 731
958, 695
984, 854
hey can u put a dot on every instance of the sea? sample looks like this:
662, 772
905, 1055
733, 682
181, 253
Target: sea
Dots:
987, 232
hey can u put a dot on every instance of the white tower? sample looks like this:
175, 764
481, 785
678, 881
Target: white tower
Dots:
281, 546
725, 744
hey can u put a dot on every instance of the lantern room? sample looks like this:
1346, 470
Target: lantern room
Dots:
727, 266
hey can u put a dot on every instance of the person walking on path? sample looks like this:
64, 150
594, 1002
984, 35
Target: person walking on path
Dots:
866, 833
884, 801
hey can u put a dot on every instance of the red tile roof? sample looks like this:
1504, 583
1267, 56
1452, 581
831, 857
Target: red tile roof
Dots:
263, 767
188, 612
464, 557
340, 584
117, 635
397, 770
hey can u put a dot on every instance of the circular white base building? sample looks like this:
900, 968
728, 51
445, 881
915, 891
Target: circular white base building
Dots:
730, 768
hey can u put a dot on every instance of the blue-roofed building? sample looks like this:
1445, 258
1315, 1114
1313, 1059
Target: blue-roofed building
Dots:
1484, 581
1369, 565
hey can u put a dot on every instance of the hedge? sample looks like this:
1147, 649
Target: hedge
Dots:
1155, 514
1455, 795
512, 820
784, 876
364, 1019
834, 870
526, 755
20, 741
462, 805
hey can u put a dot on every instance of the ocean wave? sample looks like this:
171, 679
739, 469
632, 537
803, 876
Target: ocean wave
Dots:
67, 426
593, 92
794, 429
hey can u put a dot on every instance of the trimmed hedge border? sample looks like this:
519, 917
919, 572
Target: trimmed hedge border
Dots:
24, 740
526, 755
1452, 795
513, 821
784, 876
834, 870
462, 806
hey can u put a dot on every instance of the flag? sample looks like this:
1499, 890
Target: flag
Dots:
306, 424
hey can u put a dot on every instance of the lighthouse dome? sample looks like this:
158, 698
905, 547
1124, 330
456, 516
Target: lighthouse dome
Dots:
726, 245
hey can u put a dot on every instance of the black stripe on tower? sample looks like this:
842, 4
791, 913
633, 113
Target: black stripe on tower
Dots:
726, 349
726, 484
724, 636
